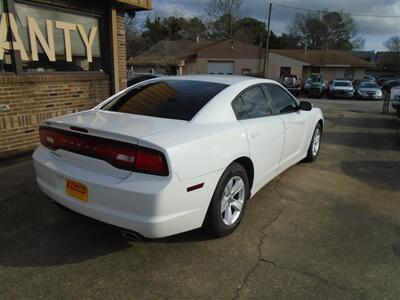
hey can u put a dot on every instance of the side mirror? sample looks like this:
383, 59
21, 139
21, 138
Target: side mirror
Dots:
304, 105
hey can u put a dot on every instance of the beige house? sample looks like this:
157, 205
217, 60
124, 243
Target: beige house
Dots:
238, 58
333, 64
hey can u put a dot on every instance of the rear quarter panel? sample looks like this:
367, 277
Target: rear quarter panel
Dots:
199, 149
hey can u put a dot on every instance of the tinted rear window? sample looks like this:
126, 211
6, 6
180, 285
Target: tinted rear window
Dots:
170, 99
369, 85
342, 83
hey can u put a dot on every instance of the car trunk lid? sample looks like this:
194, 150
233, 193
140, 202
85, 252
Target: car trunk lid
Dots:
111, 127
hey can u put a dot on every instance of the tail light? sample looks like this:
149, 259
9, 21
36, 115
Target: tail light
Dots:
119, 154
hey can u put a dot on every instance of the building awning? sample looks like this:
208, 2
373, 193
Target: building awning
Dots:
137, 4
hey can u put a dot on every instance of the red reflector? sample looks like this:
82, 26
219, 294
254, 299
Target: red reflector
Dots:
195, 187
149, 161
47, 138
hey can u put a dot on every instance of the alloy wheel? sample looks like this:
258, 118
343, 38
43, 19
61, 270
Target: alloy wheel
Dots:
232, 200
316, 141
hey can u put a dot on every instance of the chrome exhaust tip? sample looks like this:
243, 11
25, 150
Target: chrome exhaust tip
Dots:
131, 236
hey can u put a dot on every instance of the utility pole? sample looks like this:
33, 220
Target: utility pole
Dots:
266, 60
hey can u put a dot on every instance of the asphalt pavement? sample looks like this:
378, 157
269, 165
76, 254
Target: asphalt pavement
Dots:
323, 230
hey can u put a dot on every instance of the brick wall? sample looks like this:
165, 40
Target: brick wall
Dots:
121, 41
34, 98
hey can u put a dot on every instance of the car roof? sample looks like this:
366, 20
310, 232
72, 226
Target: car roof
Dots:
222, 79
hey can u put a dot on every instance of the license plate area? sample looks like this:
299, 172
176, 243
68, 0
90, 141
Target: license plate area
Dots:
77, 190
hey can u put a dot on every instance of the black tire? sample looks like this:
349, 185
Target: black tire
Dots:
311, 154
214, 222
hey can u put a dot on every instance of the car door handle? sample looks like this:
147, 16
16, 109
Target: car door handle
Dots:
254, 134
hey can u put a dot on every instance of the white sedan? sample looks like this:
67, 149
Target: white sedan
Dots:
172, 154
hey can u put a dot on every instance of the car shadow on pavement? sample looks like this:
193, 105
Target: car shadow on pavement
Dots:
380, 174
36, 232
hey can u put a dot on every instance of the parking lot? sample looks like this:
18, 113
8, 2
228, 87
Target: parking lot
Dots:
329, 229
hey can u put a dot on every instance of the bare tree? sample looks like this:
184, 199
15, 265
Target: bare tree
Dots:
393, 44
223, 16
134, 42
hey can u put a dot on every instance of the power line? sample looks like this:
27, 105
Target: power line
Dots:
345, 13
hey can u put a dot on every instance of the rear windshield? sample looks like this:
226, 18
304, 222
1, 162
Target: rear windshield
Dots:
369, 85
342, 83
170, 99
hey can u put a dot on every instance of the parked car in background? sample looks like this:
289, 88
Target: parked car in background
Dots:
306, 86
174, 153
383, 79
292, 83
396, 100
142, 77
357, 82
316, 85
341, 88
369, 77
368, 90
388, 85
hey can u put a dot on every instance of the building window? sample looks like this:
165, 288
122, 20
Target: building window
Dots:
47, 39
6, 64
246, 71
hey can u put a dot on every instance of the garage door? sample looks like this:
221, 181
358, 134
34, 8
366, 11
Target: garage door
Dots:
220, 67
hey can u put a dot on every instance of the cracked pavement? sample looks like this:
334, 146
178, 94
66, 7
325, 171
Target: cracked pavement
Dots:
329, 229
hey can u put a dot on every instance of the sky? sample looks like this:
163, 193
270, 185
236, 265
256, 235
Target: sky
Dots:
375, 30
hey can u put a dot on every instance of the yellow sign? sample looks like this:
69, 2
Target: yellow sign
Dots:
76, 190
35, 34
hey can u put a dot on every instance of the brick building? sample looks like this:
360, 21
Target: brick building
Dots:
57, 57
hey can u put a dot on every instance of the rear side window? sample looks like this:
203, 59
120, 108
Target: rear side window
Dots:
281, 100
170, 99
239, 109
251, 104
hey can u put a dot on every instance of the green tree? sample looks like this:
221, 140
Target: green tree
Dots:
326, 30
154, 31
284, 41
193, 29
250, 30
393, 44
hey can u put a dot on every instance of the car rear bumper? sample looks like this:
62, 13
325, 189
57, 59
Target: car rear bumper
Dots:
372, 97
340, 94
153, 206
